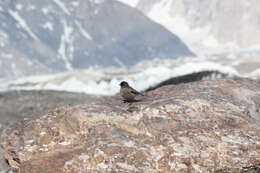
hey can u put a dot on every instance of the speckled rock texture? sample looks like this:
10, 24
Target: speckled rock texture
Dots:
206, 126
16, 105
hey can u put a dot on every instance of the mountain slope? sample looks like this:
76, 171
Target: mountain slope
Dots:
48, 36
215, 24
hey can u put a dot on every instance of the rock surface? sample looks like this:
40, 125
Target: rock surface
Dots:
206, 126
16, 105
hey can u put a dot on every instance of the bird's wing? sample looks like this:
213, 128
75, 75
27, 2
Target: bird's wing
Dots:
135, 92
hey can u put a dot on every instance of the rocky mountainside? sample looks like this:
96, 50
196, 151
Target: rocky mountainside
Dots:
207, 126
49, 36
232, 24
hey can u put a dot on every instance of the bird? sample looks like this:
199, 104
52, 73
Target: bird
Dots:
127, 92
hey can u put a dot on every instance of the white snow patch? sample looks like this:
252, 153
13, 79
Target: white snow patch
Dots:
75, 3
83, 31
131, 3
97, 1
66, 48
19, 6
62, 6
45, 10
119, 62
6, 55
3, 34
48, 25
23, 23
3, 38
255, 74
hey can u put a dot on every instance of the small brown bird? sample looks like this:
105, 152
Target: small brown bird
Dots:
127, 92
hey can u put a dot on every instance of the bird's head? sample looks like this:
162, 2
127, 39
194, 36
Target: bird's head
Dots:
124, 84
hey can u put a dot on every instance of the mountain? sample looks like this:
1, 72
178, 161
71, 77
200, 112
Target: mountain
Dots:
218, 25
39, 37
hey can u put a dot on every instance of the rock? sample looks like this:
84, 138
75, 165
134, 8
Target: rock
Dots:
206, 126
16, 105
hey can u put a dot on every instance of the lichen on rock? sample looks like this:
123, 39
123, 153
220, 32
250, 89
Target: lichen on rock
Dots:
206, 126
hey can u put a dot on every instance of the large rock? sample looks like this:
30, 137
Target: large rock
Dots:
16, 105
207, 126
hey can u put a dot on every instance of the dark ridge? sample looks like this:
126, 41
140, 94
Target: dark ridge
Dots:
190, 78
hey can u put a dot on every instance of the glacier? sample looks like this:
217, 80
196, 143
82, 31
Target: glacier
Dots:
104, 81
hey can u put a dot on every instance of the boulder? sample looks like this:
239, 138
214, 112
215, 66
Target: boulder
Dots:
205, 126
16, 105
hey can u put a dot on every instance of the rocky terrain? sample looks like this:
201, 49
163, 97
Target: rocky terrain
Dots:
16, 105
206, 126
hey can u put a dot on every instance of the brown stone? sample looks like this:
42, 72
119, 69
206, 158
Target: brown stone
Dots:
207, 126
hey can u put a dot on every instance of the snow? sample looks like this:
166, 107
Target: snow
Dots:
48, 25
131, 3
83, 31
119, 62
75, 3
6, 55
255, 74
62, 6
104, 81
19, 6
3, 38
161, 13
66, 45
97, 1
23, 23
176, 17
45, 10
3, 34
